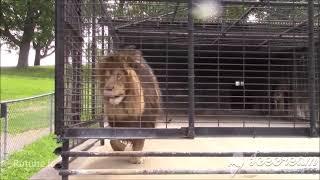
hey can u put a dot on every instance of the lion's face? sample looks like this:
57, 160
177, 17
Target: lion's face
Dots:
114, 90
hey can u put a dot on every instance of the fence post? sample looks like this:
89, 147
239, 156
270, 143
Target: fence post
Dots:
4, 114
51, 113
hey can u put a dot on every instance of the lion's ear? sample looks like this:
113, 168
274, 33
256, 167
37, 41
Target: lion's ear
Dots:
135, 59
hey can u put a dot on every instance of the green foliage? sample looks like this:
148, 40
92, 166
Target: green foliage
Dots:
44, 31
21, 83
24, 21
23, 164
15, 16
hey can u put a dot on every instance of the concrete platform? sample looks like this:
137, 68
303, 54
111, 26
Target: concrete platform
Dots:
201, 144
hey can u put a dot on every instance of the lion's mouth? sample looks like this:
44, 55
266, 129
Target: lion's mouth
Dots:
115, 100
112, 98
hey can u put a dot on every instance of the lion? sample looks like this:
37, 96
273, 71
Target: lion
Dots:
131, 95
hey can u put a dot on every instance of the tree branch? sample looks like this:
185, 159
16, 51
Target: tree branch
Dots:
46, 50
47, 54
11, 37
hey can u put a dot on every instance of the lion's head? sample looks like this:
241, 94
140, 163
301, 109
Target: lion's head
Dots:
114, 85
119, 82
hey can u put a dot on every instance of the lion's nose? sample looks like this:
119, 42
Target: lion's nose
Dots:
108, 92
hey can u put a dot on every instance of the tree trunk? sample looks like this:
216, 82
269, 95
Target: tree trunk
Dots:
37, 57
28, 32
23, 55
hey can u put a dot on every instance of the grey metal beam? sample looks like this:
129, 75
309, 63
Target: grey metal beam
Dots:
275, 170
178, 133
189, 154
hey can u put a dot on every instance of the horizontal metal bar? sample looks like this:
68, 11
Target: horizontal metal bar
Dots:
122, 133
208, 35
246, 2
28, 98
189, 154
176, 133
189, 171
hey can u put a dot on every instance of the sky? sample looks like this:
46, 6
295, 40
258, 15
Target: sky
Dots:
10, 59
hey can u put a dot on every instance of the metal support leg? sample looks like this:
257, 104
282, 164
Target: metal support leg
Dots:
102, 141
65, 158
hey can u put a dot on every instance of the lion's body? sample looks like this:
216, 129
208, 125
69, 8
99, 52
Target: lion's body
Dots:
132, 99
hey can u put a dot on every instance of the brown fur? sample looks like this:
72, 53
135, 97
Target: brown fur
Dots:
140, 91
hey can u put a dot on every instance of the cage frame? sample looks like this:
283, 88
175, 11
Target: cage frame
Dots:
191, 132
66, 134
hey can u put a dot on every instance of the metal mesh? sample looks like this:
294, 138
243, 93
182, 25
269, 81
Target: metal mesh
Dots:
247, 67
25, 121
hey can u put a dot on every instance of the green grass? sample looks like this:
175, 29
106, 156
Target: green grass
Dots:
23, 164
27, 115
21, 83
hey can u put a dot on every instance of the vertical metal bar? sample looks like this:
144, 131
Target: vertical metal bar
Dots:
93, 65
102, 141
4, 109
312, 68
59, 66
318, 63
191, 132
65, 158
102, 40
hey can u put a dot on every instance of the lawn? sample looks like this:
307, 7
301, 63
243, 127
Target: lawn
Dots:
21, 83
23, 164
29, 114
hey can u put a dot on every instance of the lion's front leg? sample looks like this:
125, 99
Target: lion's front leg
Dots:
137, 145
118, 145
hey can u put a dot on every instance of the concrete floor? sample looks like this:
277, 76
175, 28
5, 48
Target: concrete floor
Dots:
199, 144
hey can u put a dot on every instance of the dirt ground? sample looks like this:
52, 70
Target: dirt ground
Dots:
204, 145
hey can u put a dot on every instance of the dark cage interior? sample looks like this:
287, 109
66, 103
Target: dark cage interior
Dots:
237, 64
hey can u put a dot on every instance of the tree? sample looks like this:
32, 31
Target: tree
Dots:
44, 33
18, 22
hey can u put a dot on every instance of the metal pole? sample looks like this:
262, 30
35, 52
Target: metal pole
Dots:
59, 67
4, 112
65, 158
312, 72
191, 70
51, 113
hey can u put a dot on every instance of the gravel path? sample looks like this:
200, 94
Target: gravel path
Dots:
18, 141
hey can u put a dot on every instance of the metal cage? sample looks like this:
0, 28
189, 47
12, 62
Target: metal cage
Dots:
250, 70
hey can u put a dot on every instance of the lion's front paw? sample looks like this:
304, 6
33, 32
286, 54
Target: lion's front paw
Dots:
118, 145
136, 160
